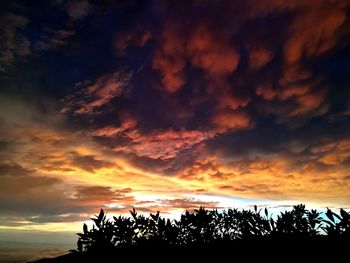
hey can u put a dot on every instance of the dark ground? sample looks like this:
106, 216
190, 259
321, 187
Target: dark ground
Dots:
243, 251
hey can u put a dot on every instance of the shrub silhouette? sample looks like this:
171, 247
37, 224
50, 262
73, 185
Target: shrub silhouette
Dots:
337, 225
203, 227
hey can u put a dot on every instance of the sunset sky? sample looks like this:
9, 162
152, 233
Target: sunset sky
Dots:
171, 105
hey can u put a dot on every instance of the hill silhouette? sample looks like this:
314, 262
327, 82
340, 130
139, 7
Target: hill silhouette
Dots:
248, 234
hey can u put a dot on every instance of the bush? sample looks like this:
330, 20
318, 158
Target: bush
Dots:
203, 227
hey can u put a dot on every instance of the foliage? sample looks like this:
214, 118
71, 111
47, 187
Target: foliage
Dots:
203, 226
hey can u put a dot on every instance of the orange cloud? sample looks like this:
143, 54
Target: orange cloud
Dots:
207, 168
214, 55
163, 144
266, 91
169, 58
293, 91
259, 57
92, 97
222, 91
306, 100
272, 177
110, 131
311, 35
334, 153
201, 47
186, 204
230, 120
158, 144
233, 103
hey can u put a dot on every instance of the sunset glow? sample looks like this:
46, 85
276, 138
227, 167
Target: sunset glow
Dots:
171, 105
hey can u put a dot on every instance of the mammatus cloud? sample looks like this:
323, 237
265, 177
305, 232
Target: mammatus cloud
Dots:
169, 58
216, 57
305, 99
231, 121
171, 105
310, 36
259, 57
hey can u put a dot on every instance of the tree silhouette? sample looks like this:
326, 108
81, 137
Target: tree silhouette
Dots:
208, 227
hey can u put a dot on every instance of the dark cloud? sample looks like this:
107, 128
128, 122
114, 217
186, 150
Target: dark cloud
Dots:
14, 45
54, 39
34, 194
78, 9
94, 96
13, 169
88, 162
47, 199
103, 194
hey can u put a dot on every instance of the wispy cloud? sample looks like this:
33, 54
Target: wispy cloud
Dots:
93, 96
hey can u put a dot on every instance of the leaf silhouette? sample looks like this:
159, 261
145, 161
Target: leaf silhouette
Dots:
100, 216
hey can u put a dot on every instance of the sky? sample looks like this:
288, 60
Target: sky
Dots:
170, 105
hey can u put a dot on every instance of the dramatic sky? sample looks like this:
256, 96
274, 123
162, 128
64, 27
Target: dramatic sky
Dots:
169, 105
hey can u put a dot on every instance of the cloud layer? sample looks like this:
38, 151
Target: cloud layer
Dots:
171, 105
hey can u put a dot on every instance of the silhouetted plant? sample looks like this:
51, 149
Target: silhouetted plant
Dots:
337, 225
101, 236
204, 226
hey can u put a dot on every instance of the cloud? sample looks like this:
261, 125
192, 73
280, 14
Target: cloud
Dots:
78, 10
127, 125
159, 144
169, 58
13, 169
97, 195
311, 36
231, 121
88, 163
55, 39
206, 168
269, 177
29, 194
237, 98
308, 102
299, 86
217, 57
14, 45
40, 198
259, 57
202, 48
93, 96
138, 37
333, 153
186, 203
